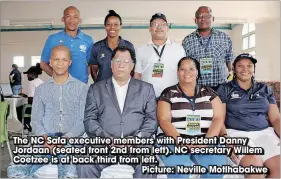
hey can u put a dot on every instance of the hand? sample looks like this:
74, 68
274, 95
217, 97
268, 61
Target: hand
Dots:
61, 145
48, 145
190, 146
233, 156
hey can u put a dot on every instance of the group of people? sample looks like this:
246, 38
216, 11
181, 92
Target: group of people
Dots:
153, 91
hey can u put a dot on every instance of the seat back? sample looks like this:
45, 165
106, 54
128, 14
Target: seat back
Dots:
3, 114
24, 114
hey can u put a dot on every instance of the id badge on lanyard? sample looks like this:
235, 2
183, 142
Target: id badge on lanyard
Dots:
193, 126
158, 68
193, 122
206, 64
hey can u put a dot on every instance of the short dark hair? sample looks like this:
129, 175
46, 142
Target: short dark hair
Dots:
197, 64
112, 13
124, 49
14, 65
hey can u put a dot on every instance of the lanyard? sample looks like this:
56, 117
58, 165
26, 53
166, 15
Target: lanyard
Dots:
207, 44
159, 55
191, 100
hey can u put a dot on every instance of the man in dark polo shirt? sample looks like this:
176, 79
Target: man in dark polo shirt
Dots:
15, 80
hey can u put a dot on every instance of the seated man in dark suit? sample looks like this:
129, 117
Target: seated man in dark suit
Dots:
119, 106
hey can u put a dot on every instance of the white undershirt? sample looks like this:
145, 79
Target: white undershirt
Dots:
121, 92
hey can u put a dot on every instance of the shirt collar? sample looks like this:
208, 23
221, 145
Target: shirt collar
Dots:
213, 31
116, 84
235, 84
168, 42
79, 33
121, 42
69, 79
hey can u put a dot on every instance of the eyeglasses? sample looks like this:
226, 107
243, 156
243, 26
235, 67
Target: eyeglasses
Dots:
204, 16
159, 25
119, 61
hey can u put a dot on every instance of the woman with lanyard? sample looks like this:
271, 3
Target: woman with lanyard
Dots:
250, 110
102, 50
190, 110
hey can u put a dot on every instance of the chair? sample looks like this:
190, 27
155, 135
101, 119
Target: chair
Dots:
24, 115
3, 126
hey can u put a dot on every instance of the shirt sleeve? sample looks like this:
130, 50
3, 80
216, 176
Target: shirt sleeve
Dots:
149, 125
133, 48
222, 94
182, 52
270, 95
31, 89
46, 53
37, 114
138, 68
211, 92
94, 55
90, 50
185, 46
229, 53
166, 96
79, 129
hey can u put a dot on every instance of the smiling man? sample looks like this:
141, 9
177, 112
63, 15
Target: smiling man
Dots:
211, 48
157, 60
79, 43
57, 111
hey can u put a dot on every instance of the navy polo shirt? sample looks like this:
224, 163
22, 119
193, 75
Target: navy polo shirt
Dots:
243, 112
101, 56
80, 48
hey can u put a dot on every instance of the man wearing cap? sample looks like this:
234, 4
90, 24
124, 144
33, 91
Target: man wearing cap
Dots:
15, 80
212, 48
250, 110
157, 60
32, 75
79, 43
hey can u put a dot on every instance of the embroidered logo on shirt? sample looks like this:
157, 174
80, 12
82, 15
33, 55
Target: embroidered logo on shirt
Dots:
60, 41
102, 55
259, 96
235, 96
83, 48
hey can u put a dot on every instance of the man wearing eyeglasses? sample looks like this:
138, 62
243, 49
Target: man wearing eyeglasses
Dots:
119, 107
212, 48
157, 60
